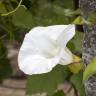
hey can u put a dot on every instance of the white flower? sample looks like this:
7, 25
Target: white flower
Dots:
45, 47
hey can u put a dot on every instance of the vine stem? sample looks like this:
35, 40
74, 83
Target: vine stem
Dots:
6, 14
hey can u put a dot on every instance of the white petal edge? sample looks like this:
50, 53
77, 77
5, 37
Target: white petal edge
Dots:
66, 57
37, 64
52, 31
66, 35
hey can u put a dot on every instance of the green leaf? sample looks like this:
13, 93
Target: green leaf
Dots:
2, 8
79, 21
77, 66
92, 17
76, 80
52, 12
47, 82
75, 45
70, 12
23, 18
59, 93
14, 1
65, 3
90, 69
77, 12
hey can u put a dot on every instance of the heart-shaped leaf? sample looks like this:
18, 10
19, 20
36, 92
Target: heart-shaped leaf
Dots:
90, 69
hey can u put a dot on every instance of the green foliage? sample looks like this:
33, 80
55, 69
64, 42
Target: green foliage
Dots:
59, 93
35, 13
23, 17
76, 80
92, 18
5, 68
43, 12
2, 8
64, 3
79, 20
75, 44
75, 67
90, 69
47, 82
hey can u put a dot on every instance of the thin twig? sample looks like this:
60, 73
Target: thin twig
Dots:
2, 37
6, 14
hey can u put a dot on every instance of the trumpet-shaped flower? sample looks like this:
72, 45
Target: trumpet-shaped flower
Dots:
45, 47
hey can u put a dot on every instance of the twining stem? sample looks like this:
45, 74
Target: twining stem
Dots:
6, 14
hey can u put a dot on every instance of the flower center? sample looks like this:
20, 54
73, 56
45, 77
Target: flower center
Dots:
47, 46
52, 52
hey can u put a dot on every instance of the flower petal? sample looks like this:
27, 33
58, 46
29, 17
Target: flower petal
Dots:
52, 31
33, 55
41, 50
66, 35
55, 30
36, 64
66, 56
40, 44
